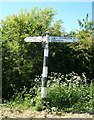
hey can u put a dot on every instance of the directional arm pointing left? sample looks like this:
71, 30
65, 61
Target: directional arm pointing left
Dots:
34, 39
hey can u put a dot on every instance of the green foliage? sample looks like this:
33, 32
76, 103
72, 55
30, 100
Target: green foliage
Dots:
83, 49
92, 94
70, 92
85, 24
38, 105
77, 57
23, 61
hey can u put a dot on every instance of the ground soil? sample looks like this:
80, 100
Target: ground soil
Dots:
8, 113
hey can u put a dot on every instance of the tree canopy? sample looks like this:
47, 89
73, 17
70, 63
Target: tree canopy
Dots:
22, 61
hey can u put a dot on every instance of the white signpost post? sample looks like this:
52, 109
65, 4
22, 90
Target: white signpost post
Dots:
46, 40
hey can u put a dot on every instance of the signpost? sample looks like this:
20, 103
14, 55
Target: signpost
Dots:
46, 40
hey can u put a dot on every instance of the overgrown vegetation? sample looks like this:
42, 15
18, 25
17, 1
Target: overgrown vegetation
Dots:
69, 93
22, 63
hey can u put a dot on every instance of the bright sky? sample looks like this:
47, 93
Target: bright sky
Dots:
68, 12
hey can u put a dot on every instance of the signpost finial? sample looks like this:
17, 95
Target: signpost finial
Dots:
47, 32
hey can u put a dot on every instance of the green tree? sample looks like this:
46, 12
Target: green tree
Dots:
22, 61
84, 48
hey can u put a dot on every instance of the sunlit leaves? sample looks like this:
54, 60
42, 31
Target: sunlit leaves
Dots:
22, 61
